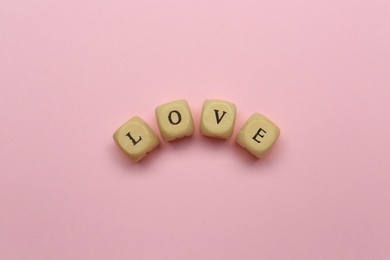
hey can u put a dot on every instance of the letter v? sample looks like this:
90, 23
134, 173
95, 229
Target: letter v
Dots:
217, 115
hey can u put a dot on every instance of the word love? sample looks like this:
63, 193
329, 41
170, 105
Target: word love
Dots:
136, 138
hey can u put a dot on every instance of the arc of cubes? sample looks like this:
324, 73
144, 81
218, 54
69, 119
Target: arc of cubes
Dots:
137, 139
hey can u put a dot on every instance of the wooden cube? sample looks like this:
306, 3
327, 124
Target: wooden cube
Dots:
218, 118
136, 138
175, 120
258, 135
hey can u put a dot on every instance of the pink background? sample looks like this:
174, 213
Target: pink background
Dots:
71, 72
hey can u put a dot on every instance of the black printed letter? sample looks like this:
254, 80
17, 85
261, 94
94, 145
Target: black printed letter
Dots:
258, 134
178, 117
216, 115
132, 139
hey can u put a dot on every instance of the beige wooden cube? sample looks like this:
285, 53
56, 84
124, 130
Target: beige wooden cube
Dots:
218, 118
258, 135
136, 138
175, 120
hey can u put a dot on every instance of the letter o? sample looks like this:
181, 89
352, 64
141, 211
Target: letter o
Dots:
178, 117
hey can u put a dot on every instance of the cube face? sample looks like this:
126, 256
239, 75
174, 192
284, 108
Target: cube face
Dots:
136, 138
175, 120
218, 118
258, 135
